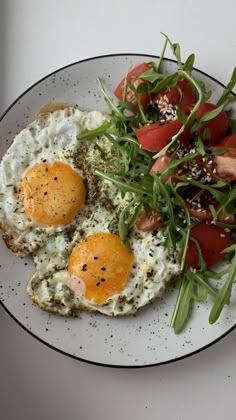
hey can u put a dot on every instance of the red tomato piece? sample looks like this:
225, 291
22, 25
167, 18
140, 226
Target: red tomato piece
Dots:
188, 94
218, 126
212, 240
199, 207
229, 141
173, 96
154, 137
149, 220
143, 97
226, 165
161, 163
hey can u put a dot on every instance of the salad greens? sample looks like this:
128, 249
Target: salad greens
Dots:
130, 166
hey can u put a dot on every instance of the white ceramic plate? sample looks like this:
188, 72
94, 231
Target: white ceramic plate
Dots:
135, 341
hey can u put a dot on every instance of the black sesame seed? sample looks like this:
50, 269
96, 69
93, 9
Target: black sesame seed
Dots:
98, 283
102, 279
84, 268
95, 258
103, 268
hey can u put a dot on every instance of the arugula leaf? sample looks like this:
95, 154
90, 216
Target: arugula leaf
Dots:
175, 49
181, 116
199, 251
224, 294
183, 304
151, 76
91, 134
167, 82
211, 114
227, 91
188, 65
162, 55
200, 280
114, 109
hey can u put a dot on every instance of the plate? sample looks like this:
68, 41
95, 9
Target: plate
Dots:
145, 339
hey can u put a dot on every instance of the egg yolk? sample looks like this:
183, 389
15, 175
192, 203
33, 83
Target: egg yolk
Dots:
52, 193
102, 264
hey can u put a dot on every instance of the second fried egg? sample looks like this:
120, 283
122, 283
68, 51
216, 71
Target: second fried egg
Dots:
96, 272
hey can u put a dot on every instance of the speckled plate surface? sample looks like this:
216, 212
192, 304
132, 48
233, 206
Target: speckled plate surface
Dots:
135, 341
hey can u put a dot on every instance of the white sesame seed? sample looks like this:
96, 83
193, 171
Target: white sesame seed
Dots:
222, 235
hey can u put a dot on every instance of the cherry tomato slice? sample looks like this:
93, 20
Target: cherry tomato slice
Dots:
212, 240
154, 137
218, 126
143, 97
187, 97
226, 165
149, 220
229, 141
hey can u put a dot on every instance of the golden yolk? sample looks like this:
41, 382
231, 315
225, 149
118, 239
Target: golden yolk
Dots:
103, 265
52, 193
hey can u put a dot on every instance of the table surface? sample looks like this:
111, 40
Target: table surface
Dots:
36, 382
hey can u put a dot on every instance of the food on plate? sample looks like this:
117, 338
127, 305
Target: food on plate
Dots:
116, 207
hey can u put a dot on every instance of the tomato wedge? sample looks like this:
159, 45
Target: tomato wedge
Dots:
198, 207
161, 163
187, 96
218, 126
212, 240
149, 220
154, 137
229, 141
226, 165
143, 97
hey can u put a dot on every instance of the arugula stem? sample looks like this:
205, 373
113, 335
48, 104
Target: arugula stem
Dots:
162, 54
212, 290
122, 185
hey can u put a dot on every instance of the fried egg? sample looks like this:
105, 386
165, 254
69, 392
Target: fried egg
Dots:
42, 190
99, 274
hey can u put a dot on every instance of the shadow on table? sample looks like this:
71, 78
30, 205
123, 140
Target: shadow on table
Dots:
2, 53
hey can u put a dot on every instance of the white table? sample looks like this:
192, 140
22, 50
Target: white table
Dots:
36, 382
